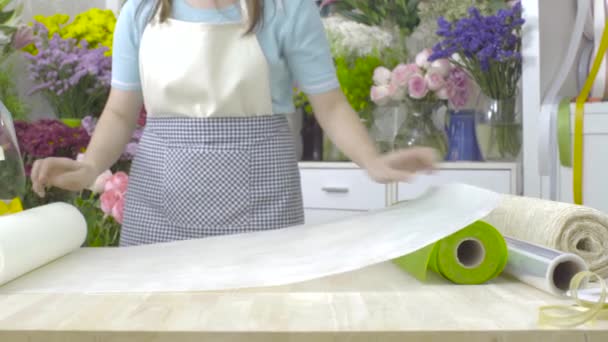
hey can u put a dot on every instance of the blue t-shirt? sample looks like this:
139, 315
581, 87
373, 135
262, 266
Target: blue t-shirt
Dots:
292, 38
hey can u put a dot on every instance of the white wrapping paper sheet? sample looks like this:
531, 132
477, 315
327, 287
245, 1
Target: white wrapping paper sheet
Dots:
269, 258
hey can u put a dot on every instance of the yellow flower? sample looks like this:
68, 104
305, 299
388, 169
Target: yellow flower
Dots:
95, 26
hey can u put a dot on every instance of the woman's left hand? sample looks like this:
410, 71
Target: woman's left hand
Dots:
402, 165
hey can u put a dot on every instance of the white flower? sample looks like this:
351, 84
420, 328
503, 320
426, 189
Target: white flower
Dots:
382, 76
348, 37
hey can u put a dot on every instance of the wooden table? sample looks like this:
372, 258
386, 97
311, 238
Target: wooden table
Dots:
380, 303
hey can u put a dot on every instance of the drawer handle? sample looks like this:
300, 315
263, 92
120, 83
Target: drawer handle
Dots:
335, 190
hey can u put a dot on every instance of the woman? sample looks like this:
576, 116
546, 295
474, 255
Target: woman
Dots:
217, 155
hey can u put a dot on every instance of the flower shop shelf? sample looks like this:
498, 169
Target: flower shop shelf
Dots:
333, 190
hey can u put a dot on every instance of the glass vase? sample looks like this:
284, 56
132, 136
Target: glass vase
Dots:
386, 124
498, 128
420, 129
12, 171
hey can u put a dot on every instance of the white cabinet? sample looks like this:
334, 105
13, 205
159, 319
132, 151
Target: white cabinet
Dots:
341, 188
336, 190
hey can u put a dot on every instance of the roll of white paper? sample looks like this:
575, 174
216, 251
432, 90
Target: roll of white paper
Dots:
33, 238
543, 268
259, 259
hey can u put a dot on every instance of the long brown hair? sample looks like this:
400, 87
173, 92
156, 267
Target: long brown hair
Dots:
254, 7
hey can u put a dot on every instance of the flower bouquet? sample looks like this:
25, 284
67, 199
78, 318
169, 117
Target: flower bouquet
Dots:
102, 206
73, 78
95, 26
408, 99
47, 138
488, 48
401, 14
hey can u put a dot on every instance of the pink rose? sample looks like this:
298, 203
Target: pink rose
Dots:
422, 58
382, 76
118, 210
118, 182
417, 87
380, 94
434, 79
109, 199
443, 66
403, 72
100, 182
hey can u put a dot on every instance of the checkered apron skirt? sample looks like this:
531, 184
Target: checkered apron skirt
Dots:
200, 177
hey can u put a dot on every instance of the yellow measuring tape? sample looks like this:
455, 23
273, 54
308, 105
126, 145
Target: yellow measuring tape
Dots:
577, 168
582, 312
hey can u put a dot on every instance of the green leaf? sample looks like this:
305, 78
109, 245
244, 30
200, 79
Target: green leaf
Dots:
6, 16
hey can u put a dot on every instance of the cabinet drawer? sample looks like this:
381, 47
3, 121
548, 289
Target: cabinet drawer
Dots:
346, 189
495, 180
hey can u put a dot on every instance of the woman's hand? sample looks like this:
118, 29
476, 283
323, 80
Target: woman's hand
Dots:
63, 173
343, 126
401, 165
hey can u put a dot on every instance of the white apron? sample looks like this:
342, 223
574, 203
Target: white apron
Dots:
213, 159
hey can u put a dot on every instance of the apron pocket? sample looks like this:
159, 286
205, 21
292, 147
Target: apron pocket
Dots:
207, 189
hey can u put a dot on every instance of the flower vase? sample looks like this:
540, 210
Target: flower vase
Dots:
387, 121
420, 129
12, 171
498, 128
462, 139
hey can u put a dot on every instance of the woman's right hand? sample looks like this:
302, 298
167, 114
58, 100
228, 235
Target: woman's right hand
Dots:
63, 173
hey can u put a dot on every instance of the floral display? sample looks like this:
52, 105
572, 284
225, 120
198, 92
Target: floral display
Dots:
350, 38
416, 91
422, 81
430, 10
49, 138
103, 207
11, 31
488, 48
113, 196
74, 79
95, 26
388, 13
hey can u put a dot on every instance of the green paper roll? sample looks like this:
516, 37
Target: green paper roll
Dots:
473, 255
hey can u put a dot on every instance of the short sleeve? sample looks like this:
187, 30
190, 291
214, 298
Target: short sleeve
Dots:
306, 48
125, 49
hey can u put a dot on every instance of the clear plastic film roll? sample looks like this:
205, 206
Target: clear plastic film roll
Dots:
543, 268
560, 274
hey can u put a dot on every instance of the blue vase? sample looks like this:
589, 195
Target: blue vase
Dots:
462, 139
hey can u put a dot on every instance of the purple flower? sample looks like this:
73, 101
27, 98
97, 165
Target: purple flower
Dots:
49, 138
88, 123
487, 39
66, 66
487, 47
